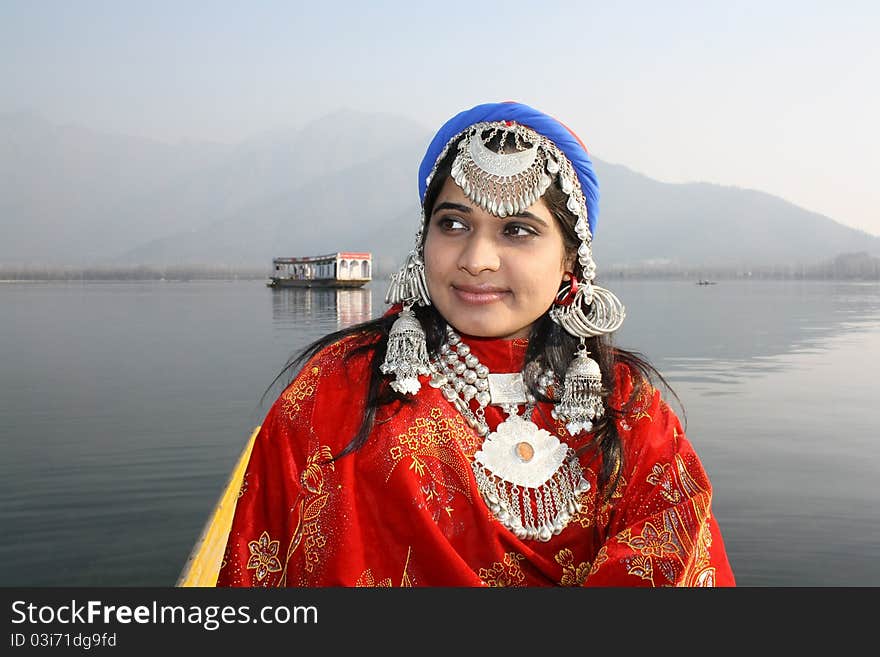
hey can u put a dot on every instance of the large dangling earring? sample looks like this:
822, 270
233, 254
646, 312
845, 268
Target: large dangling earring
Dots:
407, 353
584, 310
581, 393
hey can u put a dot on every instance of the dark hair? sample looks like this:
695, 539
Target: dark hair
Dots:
548, 342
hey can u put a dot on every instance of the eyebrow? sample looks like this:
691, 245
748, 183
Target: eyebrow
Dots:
446, 205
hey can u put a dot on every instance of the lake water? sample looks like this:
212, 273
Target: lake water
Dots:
123, 407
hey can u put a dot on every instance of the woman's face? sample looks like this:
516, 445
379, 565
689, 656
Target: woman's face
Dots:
488, 276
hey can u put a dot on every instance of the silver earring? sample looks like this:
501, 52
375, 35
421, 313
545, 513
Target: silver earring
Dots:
593, 311
582, 393
409, 285
407, 353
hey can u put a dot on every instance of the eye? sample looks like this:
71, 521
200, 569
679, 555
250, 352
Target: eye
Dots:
450, 224
519, 230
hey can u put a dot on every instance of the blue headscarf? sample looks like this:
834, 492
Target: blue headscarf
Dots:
541, 123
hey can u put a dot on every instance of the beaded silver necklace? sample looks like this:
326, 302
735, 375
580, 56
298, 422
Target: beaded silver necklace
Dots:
528, 478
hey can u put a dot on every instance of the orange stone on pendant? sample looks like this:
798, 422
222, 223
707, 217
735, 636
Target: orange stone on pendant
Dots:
525, 452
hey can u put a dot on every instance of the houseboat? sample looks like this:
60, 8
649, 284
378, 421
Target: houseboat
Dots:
342, 269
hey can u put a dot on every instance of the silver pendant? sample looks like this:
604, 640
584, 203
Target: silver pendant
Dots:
521, 453
529, 479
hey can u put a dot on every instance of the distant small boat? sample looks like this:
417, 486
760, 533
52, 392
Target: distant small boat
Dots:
703, 281
341, 269
203, 565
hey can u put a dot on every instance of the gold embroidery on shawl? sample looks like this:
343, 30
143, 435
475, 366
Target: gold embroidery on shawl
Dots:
601, 558
643, 402
572, 575
651, 542
641, 567
560, 430
661, 475
689, 485
367, 580
264, 556
302, 388
339, 349
588, 514
698, 572
680, 551
432, 442
405, 580
506, 572
244, 485
621, 486
311, 500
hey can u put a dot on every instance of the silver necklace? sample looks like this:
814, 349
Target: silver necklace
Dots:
528, 478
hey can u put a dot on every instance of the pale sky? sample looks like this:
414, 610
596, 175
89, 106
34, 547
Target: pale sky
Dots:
777, 96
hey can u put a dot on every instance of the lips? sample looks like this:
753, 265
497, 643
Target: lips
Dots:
479, 294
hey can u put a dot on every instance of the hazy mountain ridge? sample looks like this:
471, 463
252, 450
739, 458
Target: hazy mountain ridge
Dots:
70, 195
58, 182
702, 223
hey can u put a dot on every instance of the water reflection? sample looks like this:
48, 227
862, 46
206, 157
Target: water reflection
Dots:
731, 331
328, 309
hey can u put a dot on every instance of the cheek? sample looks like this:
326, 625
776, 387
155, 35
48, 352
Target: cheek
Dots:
542, 275
434, 257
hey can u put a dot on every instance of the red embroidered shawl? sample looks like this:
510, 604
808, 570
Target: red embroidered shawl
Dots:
405, 510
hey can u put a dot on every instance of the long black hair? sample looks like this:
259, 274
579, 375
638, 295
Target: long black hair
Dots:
548, 343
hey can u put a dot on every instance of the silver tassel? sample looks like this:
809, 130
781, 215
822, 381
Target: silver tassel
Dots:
582, 394
407, 353
408, 285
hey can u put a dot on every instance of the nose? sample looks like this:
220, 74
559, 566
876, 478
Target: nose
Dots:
479, 254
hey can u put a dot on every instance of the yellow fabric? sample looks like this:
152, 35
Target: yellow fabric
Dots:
204, 561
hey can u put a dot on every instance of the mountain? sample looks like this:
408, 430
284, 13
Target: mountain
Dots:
69, 193
73, 196
643, 220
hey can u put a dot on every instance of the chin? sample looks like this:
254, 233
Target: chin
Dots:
483, 329
468, 326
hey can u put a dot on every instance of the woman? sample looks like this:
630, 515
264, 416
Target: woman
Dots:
484, 432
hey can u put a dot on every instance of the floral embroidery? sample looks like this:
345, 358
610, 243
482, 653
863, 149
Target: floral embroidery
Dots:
433, 446
699, 572
572, 575
589, 514
506, 572
312, 477
312, 500
366, 580
601, 558
264, 556
313, 481
302, 388
641, 567
651, 543
661, 475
